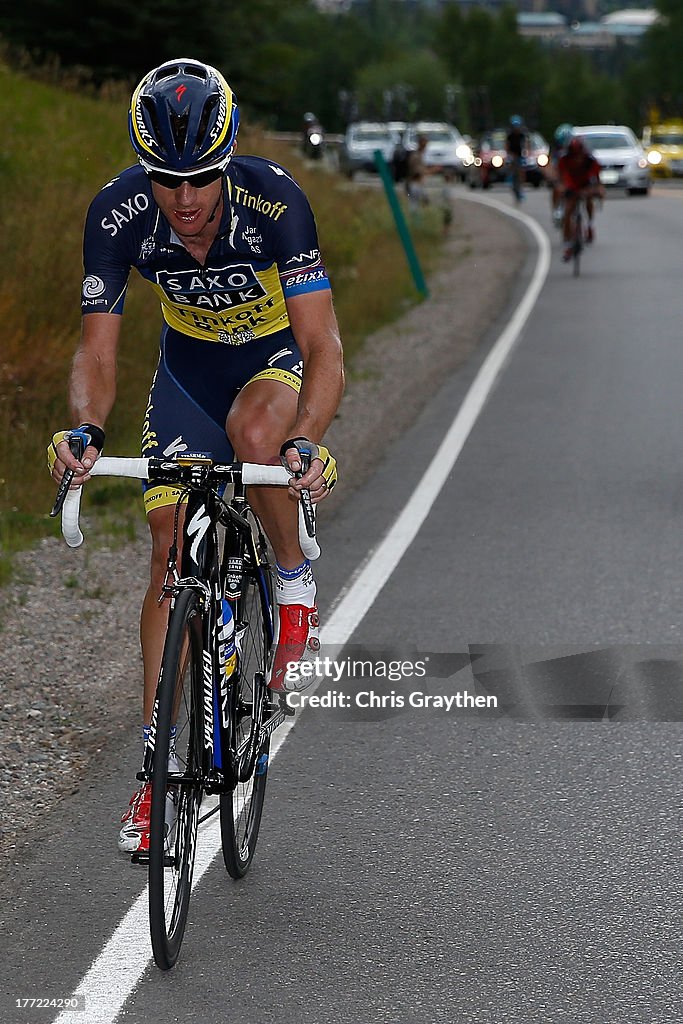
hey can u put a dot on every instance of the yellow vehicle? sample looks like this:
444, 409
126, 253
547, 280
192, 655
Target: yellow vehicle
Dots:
663, 145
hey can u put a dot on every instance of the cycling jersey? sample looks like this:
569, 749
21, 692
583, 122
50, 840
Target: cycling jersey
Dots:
575, 177
225, 321
266, 249
515, 144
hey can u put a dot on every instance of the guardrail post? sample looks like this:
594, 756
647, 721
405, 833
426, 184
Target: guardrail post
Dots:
401, 225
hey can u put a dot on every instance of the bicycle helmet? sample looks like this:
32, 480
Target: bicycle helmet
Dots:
576, 146
563, 133
183, 118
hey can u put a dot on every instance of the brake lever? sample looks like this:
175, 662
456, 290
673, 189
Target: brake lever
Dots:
306, 500
76, 447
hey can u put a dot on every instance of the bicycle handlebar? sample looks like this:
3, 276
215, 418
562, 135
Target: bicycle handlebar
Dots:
151, 468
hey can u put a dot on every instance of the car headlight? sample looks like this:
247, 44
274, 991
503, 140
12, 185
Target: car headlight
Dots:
542, 160
642, 163
497, 161
654, 157
463, 152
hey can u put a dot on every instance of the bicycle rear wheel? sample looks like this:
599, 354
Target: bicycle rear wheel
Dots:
173, 836
241, 809
577, 244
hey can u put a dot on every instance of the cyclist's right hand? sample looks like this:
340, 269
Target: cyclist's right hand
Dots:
62, 452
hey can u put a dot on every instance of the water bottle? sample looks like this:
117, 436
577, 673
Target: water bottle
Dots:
227, 655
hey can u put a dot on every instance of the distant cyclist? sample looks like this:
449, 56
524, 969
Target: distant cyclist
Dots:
515, 147
251, 359
579, 174
558, 148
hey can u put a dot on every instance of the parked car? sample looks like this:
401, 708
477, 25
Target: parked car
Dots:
357, 151
663, 145
624, 164
446, 147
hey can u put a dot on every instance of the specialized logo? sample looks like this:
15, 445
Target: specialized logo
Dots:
174, 447
198, 525
179, 92
220, 120
141, 127
92, 286
219, 289
208, 699
124, 213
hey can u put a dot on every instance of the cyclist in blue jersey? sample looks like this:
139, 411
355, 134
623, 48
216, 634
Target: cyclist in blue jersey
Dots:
250, 355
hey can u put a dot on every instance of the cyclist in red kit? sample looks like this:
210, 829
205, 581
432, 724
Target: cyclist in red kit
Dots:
579, 174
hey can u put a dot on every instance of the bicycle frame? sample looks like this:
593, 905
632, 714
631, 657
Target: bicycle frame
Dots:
205, 569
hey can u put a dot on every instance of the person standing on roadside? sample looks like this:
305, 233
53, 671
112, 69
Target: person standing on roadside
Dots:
418, 170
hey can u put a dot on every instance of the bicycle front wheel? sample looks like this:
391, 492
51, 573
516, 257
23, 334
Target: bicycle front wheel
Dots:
175, 805
242, 808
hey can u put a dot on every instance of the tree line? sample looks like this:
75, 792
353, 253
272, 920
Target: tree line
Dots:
380, 59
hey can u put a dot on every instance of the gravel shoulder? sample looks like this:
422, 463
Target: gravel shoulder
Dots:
67, 707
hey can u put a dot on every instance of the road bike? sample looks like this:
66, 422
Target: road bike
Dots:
213, 713
577, 235
517, 177
580, 229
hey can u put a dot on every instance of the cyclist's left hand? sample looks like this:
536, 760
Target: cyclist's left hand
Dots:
320, 478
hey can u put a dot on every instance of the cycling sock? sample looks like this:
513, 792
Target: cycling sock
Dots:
295, 586
172, 736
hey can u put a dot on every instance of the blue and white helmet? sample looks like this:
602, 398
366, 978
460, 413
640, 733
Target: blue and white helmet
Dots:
183, 118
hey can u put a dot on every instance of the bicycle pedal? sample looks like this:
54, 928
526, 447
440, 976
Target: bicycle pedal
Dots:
285, 707
140, 858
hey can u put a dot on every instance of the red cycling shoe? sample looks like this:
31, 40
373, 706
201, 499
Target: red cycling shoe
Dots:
134, 834
297, 633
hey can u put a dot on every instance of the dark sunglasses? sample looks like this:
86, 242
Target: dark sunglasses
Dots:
200, 180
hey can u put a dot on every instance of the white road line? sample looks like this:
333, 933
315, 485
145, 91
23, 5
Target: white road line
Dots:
123, 960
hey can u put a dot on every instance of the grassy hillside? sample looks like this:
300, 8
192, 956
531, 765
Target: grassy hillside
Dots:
57, 149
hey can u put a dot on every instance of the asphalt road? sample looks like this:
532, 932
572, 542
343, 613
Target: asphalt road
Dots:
516, 863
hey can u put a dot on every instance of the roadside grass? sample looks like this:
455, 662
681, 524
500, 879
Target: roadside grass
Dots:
58, 148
